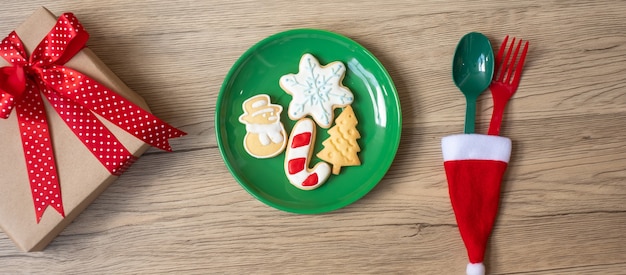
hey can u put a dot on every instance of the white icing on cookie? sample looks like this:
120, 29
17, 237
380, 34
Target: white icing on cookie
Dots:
316, 90
265, 134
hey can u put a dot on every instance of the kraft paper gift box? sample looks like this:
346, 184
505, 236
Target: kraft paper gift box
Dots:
82, 177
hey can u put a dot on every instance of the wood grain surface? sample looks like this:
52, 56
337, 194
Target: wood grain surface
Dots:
562, 209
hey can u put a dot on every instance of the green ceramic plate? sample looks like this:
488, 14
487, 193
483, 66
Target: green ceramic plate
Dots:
376, 106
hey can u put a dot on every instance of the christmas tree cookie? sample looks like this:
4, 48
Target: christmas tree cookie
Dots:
341, 148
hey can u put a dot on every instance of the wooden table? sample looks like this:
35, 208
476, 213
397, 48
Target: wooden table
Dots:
562, 209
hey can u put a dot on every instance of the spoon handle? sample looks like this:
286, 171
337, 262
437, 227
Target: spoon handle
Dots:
470, 115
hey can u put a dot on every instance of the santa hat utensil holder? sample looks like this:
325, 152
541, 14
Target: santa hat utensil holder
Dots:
475, 165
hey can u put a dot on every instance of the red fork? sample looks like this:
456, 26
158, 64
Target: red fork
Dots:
506, 80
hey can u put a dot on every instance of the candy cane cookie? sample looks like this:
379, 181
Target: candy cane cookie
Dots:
298, 156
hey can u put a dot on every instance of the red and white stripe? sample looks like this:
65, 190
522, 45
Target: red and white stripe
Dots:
298, 156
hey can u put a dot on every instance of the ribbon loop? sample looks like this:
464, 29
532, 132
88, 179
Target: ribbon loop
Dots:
13, 51
76, 97
12, 78
15, 84
64, 41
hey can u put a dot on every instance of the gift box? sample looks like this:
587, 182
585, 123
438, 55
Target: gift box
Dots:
96, 128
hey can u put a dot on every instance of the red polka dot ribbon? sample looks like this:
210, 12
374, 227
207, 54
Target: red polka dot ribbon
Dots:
76, 98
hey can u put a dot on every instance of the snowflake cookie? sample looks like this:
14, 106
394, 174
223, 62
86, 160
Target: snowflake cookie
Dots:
316, 90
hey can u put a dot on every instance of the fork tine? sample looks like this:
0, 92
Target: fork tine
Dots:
504, 64
510, 67
499, 56
520, 64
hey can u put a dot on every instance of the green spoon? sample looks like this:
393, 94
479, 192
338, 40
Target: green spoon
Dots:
472, 70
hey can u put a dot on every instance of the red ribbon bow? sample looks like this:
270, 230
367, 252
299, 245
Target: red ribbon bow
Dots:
75, 97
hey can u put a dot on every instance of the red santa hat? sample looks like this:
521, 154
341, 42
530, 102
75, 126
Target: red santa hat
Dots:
474, 167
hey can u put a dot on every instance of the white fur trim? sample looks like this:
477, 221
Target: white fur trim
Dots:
475, 269
475, 146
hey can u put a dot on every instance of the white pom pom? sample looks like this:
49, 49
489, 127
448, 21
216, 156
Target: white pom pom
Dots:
475, 269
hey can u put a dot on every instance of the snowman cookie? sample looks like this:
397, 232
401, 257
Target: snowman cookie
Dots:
265, 134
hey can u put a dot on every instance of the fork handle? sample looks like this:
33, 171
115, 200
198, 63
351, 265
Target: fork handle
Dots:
496, 120
500, 100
